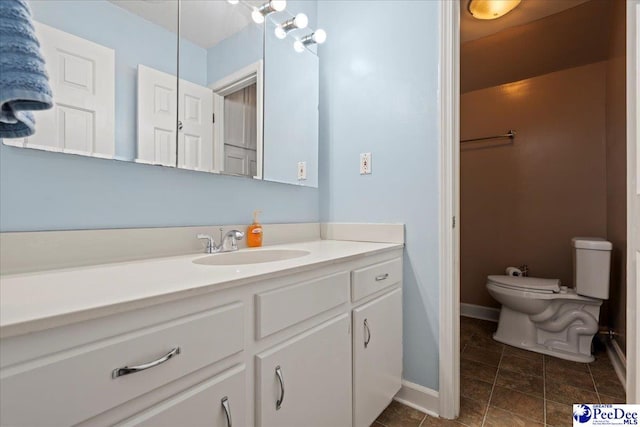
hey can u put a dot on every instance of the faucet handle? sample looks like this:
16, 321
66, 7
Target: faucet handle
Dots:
211, 244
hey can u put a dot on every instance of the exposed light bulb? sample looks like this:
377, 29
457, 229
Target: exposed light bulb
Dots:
278, 5
257, 16
233, 1
301, 20
280, 32
298, 46
320, 36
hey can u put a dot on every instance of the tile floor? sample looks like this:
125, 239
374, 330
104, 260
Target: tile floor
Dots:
505, 386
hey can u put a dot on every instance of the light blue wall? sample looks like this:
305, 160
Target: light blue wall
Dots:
50, 191
235, 52
135, 41
378, 94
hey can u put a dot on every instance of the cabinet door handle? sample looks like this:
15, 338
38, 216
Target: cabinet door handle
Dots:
281, 381
367, 332
127, 370
382, 277
227, 410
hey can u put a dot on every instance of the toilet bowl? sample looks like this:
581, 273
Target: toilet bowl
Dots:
543, 316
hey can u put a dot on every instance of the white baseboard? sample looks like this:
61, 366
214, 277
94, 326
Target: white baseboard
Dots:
479, 312
618, 360
418, 397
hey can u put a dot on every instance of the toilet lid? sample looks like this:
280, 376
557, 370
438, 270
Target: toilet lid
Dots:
531, 283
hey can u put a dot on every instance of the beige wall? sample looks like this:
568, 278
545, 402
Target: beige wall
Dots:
615, 308
522, 202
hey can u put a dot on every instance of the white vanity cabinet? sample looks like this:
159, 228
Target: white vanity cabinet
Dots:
319, 346
377, 356
306, 381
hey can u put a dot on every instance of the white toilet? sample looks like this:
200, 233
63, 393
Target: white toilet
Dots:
541, 315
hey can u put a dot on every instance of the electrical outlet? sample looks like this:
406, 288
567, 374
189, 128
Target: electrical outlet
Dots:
302, 171
365, 163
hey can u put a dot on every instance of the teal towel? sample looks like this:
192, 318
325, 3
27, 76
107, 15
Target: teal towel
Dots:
24, 84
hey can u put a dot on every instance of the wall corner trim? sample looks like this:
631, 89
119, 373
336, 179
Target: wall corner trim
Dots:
418, 397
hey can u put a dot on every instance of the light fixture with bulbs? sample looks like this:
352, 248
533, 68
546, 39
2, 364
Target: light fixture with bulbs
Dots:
491, 9
317, 37
271, 6
299, 21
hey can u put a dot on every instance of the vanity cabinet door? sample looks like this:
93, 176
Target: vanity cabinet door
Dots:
216, 402
306, 381
377, 351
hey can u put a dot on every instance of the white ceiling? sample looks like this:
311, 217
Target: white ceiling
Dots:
203, 22
527, 11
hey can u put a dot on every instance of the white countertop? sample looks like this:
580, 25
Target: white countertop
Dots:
36, 301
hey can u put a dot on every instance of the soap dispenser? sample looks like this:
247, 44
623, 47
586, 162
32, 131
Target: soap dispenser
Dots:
254, 232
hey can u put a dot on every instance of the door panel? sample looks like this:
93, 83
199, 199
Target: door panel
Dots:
82, 78
195, 140
157, 117
377, 361
316, 375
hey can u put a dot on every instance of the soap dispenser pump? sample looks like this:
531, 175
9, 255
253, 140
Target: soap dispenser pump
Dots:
254, 232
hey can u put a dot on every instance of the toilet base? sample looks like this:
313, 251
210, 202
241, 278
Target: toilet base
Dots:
518, 330
574, 357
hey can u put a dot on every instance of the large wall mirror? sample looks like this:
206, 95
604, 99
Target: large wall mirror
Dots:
216, 86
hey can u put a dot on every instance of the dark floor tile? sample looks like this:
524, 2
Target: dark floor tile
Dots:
601, 363
481, 355
475, 389
608, 384
399, 415
554, 364
611, 399
575, 378
471, 412
519, 403
526, 354
487, 342
439, 422
521, 365
559, 415
527, 384
480, 371
567, 394
500, 418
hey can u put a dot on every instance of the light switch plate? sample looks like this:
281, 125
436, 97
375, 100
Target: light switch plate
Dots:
365, 163
302, 171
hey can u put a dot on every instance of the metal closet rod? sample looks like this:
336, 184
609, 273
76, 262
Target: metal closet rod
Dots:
510, 134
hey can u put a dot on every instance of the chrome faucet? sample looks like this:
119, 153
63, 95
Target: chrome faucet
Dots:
228, 242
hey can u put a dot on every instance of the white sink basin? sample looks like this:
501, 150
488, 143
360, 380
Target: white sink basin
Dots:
251, 257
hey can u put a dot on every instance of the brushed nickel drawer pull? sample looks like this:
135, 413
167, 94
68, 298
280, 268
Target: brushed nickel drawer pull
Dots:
127, 370
382, 277
281, 381
368, 334
227, 410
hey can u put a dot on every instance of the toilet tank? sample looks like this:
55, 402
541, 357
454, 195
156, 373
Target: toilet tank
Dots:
591, 266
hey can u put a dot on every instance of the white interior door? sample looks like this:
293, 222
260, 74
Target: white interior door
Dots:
157, 117
82, 78
195, 139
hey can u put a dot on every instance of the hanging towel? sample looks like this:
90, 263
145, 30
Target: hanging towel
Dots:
24, 84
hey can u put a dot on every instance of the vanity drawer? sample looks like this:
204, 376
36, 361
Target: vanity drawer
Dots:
371, 279
78, 383
217, 402
284, 307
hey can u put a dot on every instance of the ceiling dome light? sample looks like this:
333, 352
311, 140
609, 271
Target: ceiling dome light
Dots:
233, 1
491, 9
